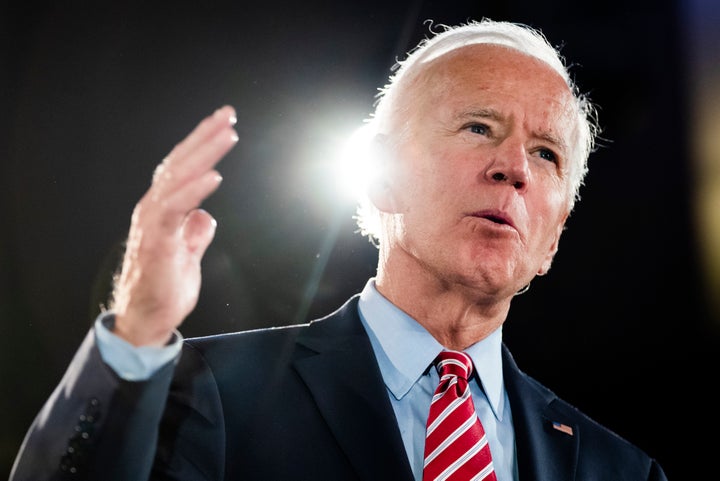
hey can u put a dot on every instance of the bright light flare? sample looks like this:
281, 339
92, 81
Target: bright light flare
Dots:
356, 166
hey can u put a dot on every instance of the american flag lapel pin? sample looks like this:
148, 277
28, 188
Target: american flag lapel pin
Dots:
564, 428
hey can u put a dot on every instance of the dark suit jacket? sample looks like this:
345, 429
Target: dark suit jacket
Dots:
295, 403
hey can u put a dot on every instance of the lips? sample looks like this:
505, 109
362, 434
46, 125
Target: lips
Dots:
495, 216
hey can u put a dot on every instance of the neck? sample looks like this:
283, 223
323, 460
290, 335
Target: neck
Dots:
457, 315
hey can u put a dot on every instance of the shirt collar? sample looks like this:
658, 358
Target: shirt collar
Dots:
405, 349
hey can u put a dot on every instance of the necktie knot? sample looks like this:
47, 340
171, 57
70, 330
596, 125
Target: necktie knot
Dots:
455, 364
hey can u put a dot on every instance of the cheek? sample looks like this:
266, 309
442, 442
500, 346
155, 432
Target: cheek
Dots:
551, 192
425, 180
550, 213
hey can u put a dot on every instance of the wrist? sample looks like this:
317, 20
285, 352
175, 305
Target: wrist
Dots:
138, 333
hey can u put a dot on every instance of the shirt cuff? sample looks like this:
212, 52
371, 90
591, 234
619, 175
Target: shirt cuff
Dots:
132, 363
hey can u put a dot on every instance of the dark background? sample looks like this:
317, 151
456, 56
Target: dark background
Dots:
94, 95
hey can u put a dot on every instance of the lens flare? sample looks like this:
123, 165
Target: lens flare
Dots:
355, 166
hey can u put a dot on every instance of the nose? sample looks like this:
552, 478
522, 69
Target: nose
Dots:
509, 165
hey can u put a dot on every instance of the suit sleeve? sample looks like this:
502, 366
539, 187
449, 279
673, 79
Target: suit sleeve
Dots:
656, 472
95, 425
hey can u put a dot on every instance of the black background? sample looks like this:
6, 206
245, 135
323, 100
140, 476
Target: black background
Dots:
94, 95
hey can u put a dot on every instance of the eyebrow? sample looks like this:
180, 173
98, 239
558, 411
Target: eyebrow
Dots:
551, 138
492, 114
482, 113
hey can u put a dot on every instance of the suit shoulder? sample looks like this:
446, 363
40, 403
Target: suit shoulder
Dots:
256, 343
600, 441
567, 413
543, 412
274, 340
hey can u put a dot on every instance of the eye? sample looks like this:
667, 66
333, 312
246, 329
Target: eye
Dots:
480, 129
548, 154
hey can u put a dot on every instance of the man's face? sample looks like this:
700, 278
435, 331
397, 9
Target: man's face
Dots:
478, 189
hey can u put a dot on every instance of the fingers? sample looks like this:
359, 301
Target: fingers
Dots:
198, 152
177, 205
173, 174
224, 116
187, 176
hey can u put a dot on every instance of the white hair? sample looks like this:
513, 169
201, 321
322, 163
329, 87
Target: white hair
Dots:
517, 36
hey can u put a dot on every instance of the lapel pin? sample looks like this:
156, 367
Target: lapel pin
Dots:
563, 428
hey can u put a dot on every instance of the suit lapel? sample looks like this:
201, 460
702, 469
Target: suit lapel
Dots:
547, 443
347, 386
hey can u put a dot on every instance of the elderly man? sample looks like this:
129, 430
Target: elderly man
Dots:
481, 141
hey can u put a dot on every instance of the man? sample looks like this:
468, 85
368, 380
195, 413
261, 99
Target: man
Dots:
481, 141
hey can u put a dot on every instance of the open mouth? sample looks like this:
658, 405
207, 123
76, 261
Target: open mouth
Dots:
495, 218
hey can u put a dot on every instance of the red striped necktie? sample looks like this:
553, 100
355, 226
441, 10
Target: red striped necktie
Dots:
456, 448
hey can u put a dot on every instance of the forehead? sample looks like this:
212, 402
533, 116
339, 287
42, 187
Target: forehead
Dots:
495, 74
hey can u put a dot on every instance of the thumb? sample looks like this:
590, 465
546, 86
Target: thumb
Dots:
198, 231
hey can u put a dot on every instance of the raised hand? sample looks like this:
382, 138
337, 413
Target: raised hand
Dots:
159, 283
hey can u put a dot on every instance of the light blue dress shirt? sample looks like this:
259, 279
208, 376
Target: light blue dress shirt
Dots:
130, 362
405, 352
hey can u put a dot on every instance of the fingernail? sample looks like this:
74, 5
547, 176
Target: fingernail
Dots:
228, 112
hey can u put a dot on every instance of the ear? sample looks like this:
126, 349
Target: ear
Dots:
381, 187
547, 262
